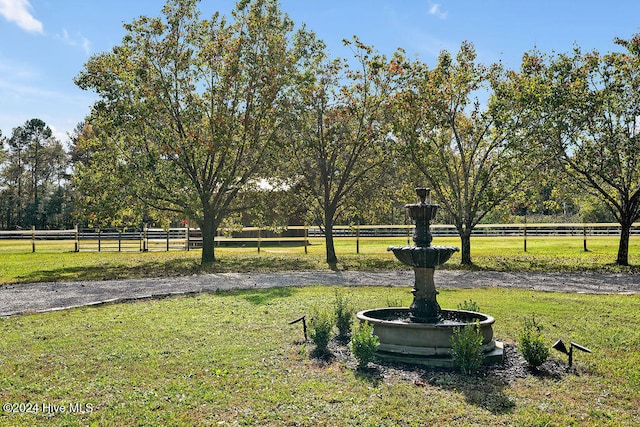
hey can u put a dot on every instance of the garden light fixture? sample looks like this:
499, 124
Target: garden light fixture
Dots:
559, 345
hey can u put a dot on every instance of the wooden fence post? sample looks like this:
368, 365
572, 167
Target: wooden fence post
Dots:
525, 234
306, 239
33, 238
358, 237
99, 239
259, 239
76, 239
187, 233
584, 238
408, 230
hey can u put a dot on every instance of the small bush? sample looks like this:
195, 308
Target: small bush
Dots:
363, 343
320, 328
469, 306
394, 301
466, 347
343, 314
532, 346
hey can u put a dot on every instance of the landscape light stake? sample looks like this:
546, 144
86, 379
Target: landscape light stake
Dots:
304, 325
559, 345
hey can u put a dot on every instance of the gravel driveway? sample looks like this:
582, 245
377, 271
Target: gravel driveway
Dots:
39, 297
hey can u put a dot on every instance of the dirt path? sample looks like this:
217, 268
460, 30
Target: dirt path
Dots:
40, 297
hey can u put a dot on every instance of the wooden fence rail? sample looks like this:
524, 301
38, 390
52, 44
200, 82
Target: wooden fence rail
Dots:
159, 239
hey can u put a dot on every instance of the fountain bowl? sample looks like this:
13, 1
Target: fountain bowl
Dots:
423, 256
426, 343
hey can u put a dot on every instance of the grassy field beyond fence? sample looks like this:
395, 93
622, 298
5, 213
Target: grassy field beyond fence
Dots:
544, 253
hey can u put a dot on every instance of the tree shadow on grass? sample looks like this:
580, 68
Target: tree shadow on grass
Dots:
123, 268
484, 391
263, 296
114, 270
486, 388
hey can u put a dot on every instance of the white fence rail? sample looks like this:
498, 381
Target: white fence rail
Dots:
158, 239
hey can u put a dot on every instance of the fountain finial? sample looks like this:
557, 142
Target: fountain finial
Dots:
422, 193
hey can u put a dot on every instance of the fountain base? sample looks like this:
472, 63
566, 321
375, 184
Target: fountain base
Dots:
402, 340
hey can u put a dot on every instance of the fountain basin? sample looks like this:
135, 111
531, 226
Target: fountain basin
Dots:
426, 343
423, 256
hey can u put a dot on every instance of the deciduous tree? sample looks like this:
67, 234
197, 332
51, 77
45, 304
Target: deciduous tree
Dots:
458, 125
189, 108
340, 134
587, 109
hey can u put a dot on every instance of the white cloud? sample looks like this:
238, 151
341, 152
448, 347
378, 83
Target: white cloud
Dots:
78, 41
18, 11
435, 10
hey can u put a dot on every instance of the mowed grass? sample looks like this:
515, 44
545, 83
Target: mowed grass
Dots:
56, 261
232, 359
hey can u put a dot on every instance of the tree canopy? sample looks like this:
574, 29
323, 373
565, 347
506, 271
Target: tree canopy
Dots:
587, 112
340, 134
34, 170
190, 108
473, 155
194, 114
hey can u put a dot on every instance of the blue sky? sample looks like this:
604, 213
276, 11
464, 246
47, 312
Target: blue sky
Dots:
45, 43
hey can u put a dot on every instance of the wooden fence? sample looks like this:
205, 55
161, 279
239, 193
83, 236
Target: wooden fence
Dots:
158, 239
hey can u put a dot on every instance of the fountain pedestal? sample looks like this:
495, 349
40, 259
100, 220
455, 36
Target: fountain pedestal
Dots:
425, 307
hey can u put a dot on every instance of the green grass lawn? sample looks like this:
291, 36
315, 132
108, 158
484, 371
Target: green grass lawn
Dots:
232, 359
55, 261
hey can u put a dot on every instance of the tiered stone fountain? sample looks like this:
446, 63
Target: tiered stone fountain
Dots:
422, 333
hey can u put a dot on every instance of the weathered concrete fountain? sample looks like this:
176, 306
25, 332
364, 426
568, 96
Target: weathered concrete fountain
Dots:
422, 333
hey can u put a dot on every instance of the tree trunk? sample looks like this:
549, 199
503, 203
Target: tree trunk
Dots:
465, 242
623, 246
208, 229
332, 259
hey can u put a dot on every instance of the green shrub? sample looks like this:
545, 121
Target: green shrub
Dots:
343, 314
466, 347
320, 328
532, 346
363, 343
469, 306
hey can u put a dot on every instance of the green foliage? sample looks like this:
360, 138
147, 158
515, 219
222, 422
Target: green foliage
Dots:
321, 328
469, 306
590, 125
594, 210
466, 347
32, 174
363, 343
531, 343
340, 136
343, 310
490, 160
188, 110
